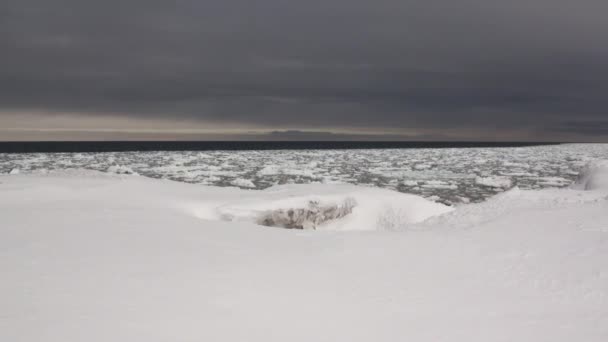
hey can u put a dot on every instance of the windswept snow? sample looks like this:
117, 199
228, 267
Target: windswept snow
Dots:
89, 256
593, 177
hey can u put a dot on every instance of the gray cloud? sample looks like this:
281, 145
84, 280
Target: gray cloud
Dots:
440, 66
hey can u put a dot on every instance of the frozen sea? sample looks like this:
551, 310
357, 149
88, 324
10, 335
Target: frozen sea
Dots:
448, 175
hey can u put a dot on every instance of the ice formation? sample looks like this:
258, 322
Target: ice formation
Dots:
309, 217
447, 174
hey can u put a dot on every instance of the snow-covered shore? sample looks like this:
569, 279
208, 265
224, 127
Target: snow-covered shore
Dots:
452, 175
88, 256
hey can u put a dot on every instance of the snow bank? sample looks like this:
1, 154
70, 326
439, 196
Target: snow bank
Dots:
98, 257
593, 177
323, 206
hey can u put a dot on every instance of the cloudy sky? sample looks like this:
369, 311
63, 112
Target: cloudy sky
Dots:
314, 69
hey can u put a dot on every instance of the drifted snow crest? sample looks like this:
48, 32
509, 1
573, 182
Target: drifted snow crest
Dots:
593, 177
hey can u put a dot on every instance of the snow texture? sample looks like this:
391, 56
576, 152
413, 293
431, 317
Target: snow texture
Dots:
90, 256
593, 177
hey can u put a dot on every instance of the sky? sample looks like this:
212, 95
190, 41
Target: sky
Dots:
304, 70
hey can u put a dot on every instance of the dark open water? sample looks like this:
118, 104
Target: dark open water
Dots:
120, 146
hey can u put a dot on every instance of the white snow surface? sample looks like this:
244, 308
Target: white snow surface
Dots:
593, 176
88, 256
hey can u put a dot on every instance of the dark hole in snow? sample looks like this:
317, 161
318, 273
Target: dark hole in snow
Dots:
309, 217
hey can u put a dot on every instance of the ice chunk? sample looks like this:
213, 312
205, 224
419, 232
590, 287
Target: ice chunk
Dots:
243, 183
309, 217
494, 181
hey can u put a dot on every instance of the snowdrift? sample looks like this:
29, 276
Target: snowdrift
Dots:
323, 206
593, 177
88, 256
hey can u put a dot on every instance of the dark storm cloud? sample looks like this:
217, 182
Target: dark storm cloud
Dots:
590, 128
385, 64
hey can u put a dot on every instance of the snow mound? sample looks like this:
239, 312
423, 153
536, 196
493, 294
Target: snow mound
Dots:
513, 201
593, 177
113, 258
323, 206
494, 181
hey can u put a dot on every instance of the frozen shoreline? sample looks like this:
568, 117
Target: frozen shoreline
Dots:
101, 257
452, 176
